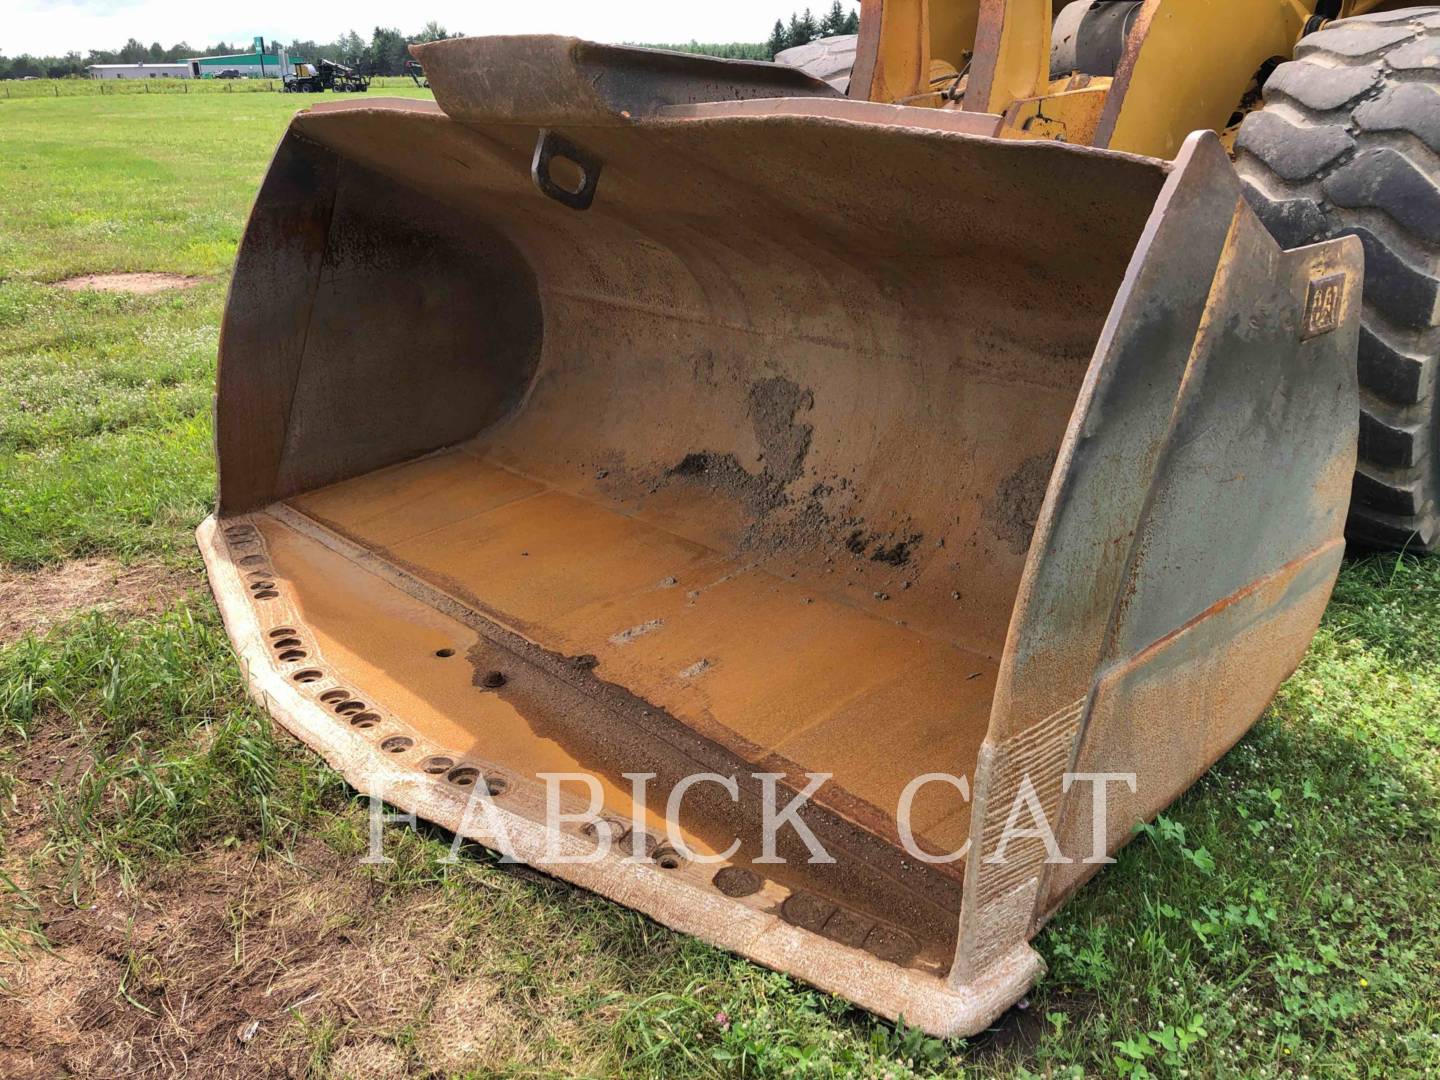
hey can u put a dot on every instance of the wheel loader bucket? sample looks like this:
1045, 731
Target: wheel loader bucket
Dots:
758, 507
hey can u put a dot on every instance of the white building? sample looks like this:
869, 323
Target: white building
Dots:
258, 63
139, 71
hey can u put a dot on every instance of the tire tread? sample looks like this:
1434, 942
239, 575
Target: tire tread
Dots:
1348, 143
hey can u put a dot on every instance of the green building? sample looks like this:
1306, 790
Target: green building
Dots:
259, 63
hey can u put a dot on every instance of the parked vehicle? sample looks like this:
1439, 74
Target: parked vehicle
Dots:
324, 75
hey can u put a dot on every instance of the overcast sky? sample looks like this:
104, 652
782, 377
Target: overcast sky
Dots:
52, 27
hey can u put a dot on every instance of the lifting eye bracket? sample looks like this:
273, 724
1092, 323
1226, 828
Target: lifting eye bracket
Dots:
550, 146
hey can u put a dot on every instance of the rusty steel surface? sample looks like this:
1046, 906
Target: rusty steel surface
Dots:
1208, 460
788, 435
543, 80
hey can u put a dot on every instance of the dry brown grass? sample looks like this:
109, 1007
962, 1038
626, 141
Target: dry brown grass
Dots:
38, 599
140, 284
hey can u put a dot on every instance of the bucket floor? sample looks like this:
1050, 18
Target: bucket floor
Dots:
786, 677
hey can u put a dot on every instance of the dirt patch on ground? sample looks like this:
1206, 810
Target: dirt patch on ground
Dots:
228, 963
51, 756
227, 966
37, 599
129, 283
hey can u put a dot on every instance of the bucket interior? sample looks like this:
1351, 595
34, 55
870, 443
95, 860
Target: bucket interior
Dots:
736, 469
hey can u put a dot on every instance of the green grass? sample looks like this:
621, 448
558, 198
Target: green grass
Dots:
180, 758
1281, 919
105, 398
17, 89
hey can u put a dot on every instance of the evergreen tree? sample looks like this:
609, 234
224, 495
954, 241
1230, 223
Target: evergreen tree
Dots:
387, 53
852, 23
432, 31
795, 32
809, 28
304, 51
834, 21
66, 67
779, 41
349, 49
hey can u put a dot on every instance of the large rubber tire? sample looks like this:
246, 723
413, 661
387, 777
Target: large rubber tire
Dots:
1348, 143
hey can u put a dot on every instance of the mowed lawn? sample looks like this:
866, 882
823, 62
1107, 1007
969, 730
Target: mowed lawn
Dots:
181, 886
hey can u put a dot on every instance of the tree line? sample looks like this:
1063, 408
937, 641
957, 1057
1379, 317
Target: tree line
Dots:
386, 50
805, 28
802, 29
384, 53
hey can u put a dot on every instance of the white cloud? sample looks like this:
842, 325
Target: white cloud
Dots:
50, 27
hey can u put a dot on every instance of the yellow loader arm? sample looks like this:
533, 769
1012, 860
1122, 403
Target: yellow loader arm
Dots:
1182, 66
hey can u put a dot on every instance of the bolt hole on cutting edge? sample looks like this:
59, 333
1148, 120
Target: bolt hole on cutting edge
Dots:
463, 776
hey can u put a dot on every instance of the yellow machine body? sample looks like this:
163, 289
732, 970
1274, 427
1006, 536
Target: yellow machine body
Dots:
1186, 67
